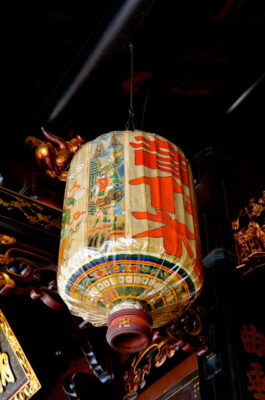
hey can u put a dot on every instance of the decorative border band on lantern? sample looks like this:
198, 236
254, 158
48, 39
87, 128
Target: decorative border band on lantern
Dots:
134, 284
116, 261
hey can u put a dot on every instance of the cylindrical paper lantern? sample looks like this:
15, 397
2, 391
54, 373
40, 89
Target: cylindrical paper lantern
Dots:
130, 253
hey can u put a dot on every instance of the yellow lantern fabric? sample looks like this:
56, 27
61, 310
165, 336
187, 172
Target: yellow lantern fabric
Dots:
130, 235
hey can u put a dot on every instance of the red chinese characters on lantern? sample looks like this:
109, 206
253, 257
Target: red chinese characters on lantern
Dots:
160, 155
162, 190
175, 233
165, 157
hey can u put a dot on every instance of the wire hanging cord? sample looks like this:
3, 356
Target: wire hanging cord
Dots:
130, 121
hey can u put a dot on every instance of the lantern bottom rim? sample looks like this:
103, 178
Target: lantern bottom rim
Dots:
129, 330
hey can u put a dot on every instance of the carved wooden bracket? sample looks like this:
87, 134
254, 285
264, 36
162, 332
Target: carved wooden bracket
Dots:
23, 271
185, 334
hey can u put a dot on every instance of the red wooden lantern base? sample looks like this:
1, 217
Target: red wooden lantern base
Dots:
129, 330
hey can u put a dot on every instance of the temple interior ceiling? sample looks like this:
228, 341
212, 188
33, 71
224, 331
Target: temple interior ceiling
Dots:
192, 61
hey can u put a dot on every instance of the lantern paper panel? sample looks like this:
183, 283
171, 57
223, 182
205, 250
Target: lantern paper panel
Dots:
130, 236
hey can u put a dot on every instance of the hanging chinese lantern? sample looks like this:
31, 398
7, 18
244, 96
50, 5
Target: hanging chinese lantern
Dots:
130, 253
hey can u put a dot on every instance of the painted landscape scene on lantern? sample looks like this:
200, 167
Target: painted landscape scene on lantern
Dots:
130, 236
106, 190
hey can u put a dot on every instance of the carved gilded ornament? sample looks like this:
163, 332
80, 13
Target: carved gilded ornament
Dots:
33, 213
186, 334
17, 378
249, 234
6, 374
54, 155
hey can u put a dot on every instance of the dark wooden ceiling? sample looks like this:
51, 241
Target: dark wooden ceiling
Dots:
192, 61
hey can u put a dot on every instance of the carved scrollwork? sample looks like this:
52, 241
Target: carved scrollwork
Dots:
185, 334
6, 283
23, 271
